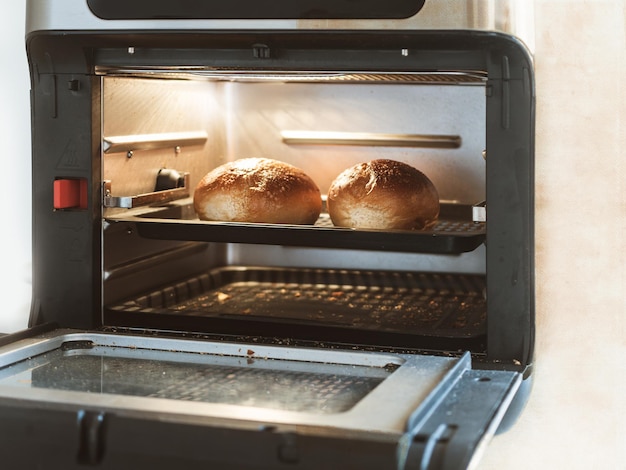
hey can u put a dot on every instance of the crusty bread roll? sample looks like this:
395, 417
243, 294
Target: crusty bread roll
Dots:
383, 194
258, 190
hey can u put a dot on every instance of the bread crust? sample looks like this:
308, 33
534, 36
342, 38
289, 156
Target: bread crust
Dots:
383, 194
259, 190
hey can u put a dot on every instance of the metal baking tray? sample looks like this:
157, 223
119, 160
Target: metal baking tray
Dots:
374, 303
454, 233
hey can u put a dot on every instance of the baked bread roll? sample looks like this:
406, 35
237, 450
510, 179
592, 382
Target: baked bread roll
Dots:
383, 194
258, 190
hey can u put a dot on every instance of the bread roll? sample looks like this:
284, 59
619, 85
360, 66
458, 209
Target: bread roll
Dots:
258, 190
383, 194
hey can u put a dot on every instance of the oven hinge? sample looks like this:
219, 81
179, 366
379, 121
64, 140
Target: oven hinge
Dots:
91, 439
453, 425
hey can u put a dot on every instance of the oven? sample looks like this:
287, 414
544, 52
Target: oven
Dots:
159, 338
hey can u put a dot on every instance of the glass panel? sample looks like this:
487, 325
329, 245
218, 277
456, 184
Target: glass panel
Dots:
245, 381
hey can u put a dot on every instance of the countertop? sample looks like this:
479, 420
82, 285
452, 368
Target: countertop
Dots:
576, 414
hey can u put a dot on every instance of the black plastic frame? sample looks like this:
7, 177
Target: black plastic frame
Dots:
66, 122
254, 9
72, 438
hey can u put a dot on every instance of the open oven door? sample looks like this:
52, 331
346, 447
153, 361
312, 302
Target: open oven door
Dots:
75, 399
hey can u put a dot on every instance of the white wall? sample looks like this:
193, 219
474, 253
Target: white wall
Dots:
576, 415
15, 182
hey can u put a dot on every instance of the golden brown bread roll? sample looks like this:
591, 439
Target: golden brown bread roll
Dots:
258, 190
383, 194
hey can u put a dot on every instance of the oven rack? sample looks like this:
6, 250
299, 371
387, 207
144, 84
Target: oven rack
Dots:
397, 306
454, 233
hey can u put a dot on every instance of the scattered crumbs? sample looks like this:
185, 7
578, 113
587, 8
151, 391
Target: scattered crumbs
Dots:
222, 297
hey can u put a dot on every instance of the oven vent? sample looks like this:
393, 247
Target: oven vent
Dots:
451, 78
193, 73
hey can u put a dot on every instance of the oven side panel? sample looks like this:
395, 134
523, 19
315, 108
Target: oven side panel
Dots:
510, 196
65, 115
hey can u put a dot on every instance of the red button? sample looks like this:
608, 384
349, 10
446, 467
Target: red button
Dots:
70, 193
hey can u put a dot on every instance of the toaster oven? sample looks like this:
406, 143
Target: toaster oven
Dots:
158, 339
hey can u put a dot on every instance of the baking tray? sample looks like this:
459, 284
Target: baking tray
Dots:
379, 302
454, 233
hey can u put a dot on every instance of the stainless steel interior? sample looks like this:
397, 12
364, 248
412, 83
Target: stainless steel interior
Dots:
323, 123
245, 115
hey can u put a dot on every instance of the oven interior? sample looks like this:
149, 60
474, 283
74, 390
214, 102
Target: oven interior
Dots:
317, 282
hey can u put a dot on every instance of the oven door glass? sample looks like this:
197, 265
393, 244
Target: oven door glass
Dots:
397, 406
